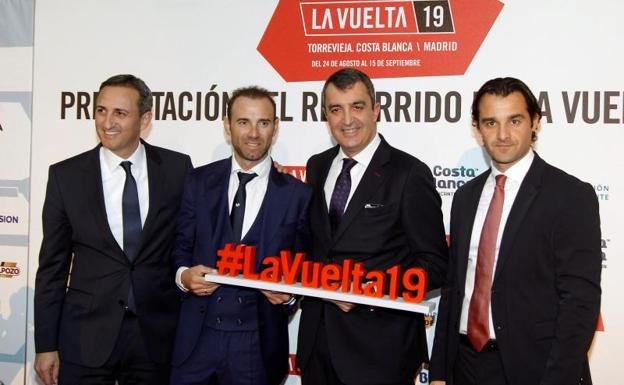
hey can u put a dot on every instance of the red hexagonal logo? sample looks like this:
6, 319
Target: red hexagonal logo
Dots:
310, 39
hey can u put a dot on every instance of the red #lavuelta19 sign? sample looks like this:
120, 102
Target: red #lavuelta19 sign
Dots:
308, 40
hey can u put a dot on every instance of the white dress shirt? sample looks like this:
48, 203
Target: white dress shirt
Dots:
113, 180
515, 175
363, 158
255, 191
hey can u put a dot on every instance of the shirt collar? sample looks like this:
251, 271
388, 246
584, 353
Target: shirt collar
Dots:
262, 169
518, 171
112, 160
363, 157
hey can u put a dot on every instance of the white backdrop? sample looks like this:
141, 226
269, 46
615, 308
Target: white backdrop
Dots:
559, 48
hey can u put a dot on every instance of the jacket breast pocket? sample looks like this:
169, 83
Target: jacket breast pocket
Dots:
374, 210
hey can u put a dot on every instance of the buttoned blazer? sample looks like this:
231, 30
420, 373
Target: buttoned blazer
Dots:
84, 276
546, 285
393, 218
204, 228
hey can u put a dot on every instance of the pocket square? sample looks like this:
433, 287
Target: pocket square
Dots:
373, 205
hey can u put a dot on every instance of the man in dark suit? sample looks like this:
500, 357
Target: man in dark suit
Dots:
229, 335
105, 297
376, 205
522, 296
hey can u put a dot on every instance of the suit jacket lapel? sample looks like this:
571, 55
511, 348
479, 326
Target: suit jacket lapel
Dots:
92, 186
217, 189
274, 206
373, 177
526, 194
463, 234
155, 180
322, 213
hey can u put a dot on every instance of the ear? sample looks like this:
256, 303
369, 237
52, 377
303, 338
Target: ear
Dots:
476, 133
376, 110
536, 124
275, 130
146, 120
226, 129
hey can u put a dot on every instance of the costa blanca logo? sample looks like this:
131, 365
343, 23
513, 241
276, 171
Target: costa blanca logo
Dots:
389, 38
9, 269
449, 179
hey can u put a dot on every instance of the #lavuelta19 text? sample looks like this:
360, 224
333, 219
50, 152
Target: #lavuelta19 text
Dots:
348, 277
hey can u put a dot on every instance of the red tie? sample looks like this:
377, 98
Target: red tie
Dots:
478, 312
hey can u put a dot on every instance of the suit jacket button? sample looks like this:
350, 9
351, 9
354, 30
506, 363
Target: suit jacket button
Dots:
218, 320
131, 267
239, 322
219, 299
499, 327
240, 299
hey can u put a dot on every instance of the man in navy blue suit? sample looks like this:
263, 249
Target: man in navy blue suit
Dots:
231, 335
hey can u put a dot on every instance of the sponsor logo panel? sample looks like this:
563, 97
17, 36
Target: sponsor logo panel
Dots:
9, 269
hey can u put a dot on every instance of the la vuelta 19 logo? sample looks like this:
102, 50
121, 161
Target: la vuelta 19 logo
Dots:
308, 40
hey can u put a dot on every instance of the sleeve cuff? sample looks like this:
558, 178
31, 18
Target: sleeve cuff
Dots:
178, 279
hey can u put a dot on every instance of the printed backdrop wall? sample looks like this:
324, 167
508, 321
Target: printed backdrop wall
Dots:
427, 58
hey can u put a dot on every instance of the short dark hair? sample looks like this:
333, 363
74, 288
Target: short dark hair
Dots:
504, 87
127, 80
345, 78
252, 92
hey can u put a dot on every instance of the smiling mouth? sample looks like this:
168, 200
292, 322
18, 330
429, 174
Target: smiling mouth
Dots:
350, 130
504, 145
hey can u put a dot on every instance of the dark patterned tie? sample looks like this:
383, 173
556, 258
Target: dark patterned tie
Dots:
238, 207
478, 312
132, 227
340, 195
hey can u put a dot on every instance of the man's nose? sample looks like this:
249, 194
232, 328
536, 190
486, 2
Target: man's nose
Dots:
347, 118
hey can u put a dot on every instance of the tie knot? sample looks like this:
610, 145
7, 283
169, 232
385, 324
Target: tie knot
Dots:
245, 178
126, 164
347, 164
500, 180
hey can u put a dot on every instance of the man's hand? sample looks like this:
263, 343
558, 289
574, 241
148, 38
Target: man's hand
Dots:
437, 383
193, 280
276, 298
47, 367
344, 306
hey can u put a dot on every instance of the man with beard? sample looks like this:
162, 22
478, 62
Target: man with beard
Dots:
229, 335
522, 296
